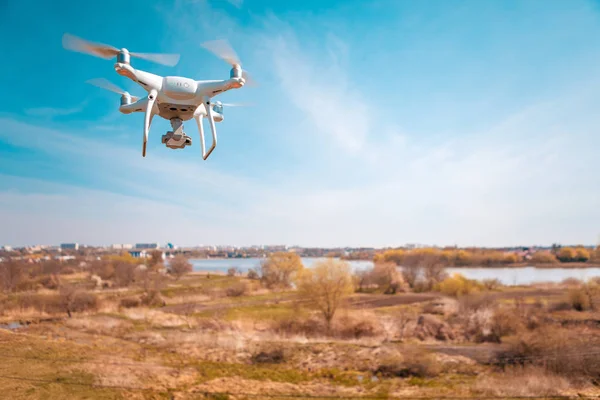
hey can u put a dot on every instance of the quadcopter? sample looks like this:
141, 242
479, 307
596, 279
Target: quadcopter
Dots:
174, 98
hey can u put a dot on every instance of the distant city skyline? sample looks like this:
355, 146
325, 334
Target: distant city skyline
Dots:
469, 123
129, 246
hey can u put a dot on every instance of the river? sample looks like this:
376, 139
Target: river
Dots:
508, 276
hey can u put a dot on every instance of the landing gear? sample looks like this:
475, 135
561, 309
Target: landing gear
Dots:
176, 139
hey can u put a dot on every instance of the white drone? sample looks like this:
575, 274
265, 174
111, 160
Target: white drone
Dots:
174, 98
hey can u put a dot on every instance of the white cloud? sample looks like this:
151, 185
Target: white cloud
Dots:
51, 112
519, 182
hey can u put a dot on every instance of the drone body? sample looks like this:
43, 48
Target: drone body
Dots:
173, 98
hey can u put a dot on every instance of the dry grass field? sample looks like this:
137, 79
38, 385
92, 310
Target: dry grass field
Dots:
218, 336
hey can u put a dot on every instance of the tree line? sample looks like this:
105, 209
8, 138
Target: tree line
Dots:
483, 257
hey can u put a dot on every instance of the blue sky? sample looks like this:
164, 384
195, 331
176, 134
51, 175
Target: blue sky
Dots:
376, 123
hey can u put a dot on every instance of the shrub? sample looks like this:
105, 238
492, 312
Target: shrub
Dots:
310, 327
104, 269
571, 282
49, 282
386, 276
457, 285
567, 254
236, 290
152, 298
233, 271
543, 257
522, 383
356, 327
560, 351
492, 284
560, 306
124, 274
268, 356
48, 303
130, 302
84, 301
504, 323
252, 274
475, 302
179, 266
579, 299
72, 299
428, 326
25, 284
411, 363
421, 286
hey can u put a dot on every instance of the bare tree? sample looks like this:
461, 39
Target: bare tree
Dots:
362, 279
386, 277
124, 273
187, 310
434, 271
67, 297
279, 269
253, 274
326, 285
179, 266
155, 260
411, 273
11, 274
151, 283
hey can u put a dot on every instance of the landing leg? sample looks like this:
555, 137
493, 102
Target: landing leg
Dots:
213, 129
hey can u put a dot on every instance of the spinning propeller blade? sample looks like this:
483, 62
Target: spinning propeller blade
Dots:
234, 104
222, 49
107, 85
77, 44
160, 58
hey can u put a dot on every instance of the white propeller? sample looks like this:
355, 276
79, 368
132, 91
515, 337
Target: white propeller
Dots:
74, 43
107, 85
222, 49
218, 103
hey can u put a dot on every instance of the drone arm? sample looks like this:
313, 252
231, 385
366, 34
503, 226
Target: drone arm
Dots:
148, 118
213, 129
136, 106
145, 79
211, 88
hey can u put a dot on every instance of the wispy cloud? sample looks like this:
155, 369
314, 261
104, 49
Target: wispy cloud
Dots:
51, 112
236, 3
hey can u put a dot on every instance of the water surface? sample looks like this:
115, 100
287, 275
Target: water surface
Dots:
508, 276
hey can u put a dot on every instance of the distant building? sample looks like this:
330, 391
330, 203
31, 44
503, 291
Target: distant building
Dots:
275, 248
147, 246
6, 248
144, 253
121, 246
69, 246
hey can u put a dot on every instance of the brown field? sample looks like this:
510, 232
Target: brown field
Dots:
230, 337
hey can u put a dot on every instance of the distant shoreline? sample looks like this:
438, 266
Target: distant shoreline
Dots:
568, 265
